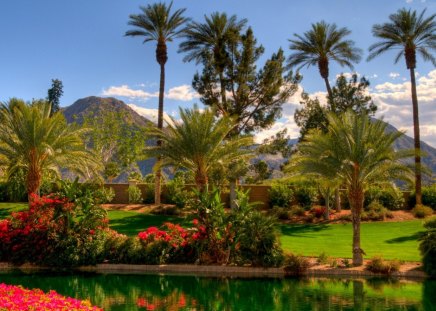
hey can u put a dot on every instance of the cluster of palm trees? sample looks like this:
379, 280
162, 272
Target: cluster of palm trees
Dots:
407, 32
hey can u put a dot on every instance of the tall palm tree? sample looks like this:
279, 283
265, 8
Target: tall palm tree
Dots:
198, 143
32, 141
320, 45
359, 153
213, 38
317, 47
158, 23
409, 34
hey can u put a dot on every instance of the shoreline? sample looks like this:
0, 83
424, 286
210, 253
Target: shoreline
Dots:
224, 271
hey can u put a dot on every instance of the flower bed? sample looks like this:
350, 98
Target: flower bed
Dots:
17, 298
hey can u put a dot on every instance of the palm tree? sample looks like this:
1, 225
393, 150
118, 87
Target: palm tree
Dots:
157, 23
32, 141
318, 46
359, 153
409, 34
324, 42
198, 143
213, 38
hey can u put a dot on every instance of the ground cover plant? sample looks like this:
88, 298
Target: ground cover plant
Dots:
17, 298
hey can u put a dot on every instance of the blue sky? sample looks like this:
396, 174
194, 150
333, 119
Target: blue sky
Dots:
81, 42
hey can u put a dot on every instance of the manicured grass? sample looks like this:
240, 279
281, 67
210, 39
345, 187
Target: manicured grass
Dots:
390, 239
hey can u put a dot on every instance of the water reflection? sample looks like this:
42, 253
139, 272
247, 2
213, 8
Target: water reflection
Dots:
155, 292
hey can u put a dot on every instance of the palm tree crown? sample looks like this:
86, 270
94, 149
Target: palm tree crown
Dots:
156, 23
198, 143
32, 140
408, 33
324, 42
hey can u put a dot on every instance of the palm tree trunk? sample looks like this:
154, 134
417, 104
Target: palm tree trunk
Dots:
356, 201
416, 137
157, 182
33, 181
223, 92
330, 97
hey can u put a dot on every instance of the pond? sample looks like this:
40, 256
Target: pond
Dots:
164, 292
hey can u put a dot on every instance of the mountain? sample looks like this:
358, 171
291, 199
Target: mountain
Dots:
94, 105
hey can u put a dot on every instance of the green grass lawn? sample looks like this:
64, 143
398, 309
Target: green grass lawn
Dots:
390, 239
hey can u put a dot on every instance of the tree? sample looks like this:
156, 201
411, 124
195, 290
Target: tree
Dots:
358, 153
409, 34
158, 23
54, 94
211, 43
111, 171
198, 143
323, 43
278, 143
33, 141
346, 94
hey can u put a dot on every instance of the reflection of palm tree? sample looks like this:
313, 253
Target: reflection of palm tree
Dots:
356, 151
157, 23
320, 45
198, 143
409, 34
213, 38
32, 140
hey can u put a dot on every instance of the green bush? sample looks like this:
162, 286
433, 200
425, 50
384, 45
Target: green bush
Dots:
175, 193
281, 213
428, 197
4, 192
427, 247
280, 195
297, 210
305, 194
148, 193
378, 265
295, 265
135, 194
376, 211
391, 198
422, 211
104, 195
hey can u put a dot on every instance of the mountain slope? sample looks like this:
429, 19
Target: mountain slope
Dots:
94, 105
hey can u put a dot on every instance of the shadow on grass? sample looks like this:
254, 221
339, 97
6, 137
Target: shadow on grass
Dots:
301, 229
5, 212
402, 239
132, 225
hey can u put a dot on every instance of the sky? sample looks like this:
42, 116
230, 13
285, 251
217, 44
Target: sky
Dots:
82, 43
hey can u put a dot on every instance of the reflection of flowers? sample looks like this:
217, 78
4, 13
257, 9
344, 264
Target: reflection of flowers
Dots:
16, 298
173, 301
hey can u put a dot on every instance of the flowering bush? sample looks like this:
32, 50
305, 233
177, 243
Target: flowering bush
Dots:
16, 298
54, 231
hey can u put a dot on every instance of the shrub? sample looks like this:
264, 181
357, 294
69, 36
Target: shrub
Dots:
297, 210
378, 265
428, 197
322, 258
422, 211
280, 195
104, 195
295, 264
318, 211
4, 192
390, 198
427, 247
135, 194
148, 194
375, 211
175, 193
305, 194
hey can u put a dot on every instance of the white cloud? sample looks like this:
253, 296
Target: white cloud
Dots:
183, 93
150, 114
394, 75
126, 91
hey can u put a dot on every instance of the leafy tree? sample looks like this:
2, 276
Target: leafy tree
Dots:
198, 143
32, 140
255, 96
278, 143
358, 153
158, 23
111, 171
54, 94
346, 94
409, 34
322, 44
261, 172
211, 43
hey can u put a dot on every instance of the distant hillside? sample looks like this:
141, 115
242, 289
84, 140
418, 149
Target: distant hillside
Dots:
93, 105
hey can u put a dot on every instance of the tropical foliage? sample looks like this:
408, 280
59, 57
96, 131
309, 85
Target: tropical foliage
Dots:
409, 33
359, 153
35, 142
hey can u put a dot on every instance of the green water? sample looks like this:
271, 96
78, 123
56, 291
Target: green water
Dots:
157, 292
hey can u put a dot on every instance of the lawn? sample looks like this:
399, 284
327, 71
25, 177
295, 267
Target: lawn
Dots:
389, 239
